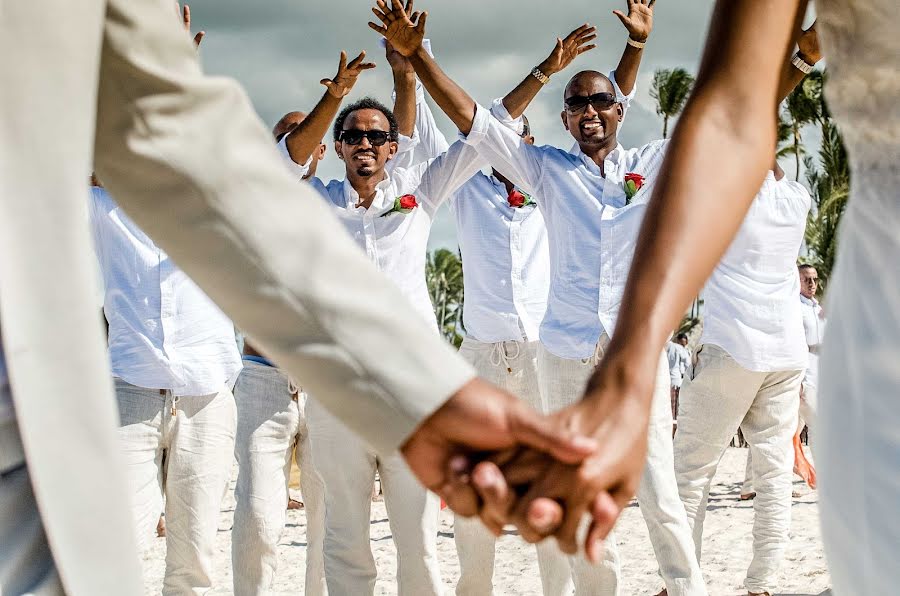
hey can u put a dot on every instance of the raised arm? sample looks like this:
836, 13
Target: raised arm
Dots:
687, 228
406, 36
306, 138
404, 90
809, 52
639, 23
564, 52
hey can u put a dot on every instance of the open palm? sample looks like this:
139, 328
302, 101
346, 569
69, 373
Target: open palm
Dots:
573, 45
346, 76
639, 20
400, 26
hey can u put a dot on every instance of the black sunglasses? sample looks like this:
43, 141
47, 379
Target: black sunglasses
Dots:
377, 138
577, 104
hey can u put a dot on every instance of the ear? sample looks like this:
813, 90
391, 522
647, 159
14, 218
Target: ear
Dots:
337, 149
620, 111
565, 120
320, 152
394, 147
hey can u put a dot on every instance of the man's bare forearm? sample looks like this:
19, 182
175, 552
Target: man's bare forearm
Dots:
627, 70
693, 216
307, 137
450, 97
405, 101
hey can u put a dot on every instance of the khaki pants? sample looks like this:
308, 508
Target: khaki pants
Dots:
721, 397
187, 458
347, 465
511, 365
562, 383
271, 427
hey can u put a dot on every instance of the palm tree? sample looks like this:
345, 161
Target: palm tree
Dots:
830, 185
670, 89
444, 276
805, 105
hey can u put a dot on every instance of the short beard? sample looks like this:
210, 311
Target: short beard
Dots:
366, 171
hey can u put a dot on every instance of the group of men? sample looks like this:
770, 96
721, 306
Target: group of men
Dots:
546, 240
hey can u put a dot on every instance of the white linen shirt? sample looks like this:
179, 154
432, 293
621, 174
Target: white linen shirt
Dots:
164, 332
505, 250
814, 329
591, 231
752, 311
505, 256
396, 242
679, 358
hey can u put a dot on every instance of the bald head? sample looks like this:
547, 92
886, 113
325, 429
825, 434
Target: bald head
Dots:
588, 82
288, 122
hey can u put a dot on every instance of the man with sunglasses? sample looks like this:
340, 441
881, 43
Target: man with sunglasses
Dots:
592, 222
506, 265
389, 213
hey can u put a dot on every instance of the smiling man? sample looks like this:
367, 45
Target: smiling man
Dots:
388, 212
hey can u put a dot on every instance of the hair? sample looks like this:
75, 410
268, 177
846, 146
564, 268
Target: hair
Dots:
681, 336
804, 266
367, 103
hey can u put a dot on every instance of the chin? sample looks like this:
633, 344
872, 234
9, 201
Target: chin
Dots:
365, 171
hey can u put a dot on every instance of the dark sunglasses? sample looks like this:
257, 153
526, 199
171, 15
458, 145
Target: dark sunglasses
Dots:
577, 104
377, 138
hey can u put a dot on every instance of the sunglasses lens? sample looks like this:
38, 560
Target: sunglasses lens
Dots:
377, 137
352, 137
577, 104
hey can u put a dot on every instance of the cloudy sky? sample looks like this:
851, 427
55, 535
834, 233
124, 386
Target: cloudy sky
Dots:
280, 49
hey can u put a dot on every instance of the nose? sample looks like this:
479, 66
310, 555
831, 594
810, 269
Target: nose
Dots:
365, 143
590, 111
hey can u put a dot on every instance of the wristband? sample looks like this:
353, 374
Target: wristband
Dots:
636, 44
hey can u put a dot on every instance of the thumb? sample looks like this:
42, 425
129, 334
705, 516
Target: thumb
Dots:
621, 16
549, 434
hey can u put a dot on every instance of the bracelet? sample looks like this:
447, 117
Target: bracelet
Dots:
801, 64
536, 73
636, 44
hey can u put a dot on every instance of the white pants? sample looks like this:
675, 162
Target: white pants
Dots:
857, 444
562, 383
511, 365
187, 457
347, 465
721, 397
271, 426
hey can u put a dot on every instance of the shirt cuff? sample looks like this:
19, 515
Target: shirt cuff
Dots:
625, 100
296, 169
499, 111
406, 144
479, 127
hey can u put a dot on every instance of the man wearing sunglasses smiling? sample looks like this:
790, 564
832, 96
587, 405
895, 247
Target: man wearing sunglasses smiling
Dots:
388, 212
591, 227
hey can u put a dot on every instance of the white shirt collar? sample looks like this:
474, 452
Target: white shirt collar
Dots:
379, 202
808, 301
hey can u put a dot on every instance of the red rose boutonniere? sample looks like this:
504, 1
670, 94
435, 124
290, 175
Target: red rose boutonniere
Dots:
633, 183
519, 199
403, 204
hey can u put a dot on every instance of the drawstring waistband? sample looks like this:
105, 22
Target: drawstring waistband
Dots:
499, 354
599, 350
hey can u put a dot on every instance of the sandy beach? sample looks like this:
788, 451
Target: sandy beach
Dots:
726, 548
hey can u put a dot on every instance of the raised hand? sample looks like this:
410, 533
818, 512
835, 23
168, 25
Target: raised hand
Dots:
808, 45
400, 26
639, 20
566, 50
185, 14
346, 76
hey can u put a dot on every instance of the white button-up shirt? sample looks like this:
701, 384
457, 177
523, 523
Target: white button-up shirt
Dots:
396, 242
814, 329
505, 250
591, 230
679, 359
164, 332
752, 311
505, 256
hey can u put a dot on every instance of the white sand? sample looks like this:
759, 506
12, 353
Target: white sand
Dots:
726, 549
